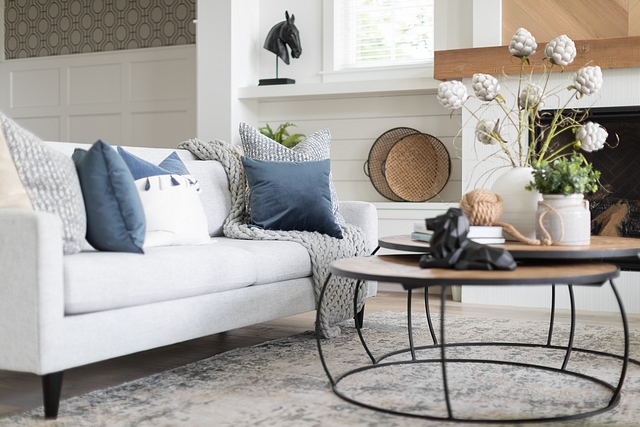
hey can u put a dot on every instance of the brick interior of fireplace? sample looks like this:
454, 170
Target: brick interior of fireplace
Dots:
615, 210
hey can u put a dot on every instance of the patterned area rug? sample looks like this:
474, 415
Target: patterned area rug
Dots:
282, 383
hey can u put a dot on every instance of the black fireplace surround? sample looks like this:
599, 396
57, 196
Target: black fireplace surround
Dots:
615, 209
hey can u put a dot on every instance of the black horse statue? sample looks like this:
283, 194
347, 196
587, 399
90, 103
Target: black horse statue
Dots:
282, 34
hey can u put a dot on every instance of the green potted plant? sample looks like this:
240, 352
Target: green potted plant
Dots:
563, 215
566, 175
282, 135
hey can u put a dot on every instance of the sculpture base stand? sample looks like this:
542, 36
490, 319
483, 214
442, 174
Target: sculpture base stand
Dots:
282, 81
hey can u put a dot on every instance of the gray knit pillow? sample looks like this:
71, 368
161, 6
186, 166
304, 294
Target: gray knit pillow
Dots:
51, 181
314, 148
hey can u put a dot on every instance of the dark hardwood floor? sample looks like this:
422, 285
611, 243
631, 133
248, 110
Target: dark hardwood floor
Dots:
20, 392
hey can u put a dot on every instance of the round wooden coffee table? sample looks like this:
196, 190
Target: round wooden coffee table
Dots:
621, 251
616, 250
405, 269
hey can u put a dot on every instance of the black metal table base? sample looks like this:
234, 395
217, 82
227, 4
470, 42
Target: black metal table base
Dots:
615, 390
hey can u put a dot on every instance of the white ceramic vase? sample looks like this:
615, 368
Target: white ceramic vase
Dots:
575, 227
519, 205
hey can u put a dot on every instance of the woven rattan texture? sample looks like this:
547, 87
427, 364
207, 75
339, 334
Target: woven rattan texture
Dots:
378, 156
417, 167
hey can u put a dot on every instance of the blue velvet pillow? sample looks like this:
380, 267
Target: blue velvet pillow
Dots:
141, 168
291, 196
115, 217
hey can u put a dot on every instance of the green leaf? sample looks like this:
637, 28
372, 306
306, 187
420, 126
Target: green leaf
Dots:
293, 140
566, 175
267, 131
281, 134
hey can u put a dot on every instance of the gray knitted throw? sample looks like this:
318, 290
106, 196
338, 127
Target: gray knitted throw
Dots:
338, 298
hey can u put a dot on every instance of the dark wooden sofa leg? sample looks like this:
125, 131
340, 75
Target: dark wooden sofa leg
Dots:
51, 386
359, 318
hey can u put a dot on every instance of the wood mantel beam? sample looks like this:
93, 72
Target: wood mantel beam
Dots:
617, 52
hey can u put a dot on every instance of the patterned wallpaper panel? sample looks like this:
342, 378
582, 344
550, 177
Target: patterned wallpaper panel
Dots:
61, 27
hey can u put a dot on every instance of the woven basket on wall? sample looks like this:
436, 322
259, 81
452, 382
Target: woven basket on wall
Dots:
407, 165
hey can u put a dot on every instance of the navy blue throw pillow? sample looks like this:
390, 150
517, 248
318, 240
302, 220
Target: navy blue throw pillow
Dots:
291, 196
115, 216
141, 168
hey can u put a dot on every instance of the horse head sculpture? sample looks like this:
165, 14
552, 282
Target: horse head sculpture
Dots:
282, 34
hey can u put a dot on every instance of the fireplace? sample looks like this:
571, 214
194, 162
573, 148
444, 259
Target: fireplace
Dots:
615, 210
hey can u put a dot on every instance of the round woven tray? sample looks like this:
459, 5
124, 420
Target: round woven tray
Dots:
418, 167
375, 164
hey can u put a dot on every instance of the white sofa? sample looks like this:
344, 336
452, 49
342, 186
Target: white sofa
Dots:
58, 312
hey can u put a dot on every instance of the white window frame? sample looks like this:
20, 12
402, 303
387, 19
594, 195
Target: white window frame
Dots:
330, 74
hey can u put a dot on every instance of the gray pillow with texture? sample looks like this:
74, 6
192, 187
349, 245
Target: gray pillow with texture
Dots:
315, 147
51, 181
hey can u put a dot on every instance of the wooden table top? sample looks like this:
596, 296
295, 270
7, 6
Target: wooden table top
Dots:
406, 270
601, 247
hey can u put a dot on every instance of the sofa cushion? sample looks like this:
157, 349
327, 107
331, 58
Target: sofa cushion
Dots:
42, 179
274, 260
212, 179
214, 185
173, 211
98, 281
313, 148
115, 216
172, 207
291, 196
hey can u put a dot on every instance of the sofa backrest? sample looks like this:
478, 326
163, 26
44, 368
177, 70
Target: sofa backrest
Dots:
214, 185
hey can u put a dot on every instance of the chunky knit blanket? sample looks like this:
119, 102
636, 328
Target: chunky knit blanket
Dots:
338, 298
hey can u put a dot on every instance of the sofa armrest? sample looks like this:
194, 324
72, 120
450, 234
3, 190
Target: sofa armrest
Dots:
365, 216
31, 285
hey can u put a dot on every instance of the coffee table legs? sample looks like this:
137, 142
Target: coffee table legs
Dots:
443, 358
428, 313
625, 361
357, 324
409, 326
616, 390
573, 321
553, 314
572, 331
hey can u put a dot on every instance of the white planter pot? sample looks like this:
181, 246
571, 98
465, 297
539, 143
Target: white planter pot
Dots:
519, 205
566, 218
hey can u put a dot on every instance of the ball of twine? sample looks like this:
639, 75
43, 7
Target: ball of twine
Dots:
482, 206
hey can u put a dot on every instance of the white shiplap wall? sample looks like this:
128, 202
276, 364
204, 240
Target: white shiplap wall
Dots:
356, 122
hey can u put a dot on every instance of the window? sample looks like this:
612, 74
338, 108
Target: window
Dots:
374, 33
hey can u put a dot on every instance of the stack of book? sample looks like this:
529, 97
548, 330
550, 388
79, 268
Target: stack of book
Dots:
487, 235
420, 232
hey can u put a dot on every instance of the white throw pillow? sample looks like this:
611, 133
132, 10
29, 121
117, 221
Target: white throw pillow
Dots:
173, 211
